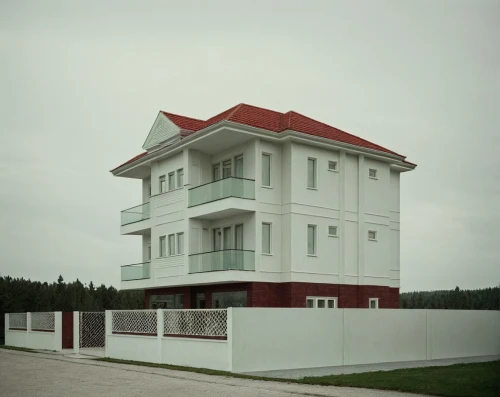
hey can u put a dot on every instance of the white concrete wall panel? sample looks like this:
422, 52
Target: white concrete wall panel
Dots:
463, 333
378, 336
201, 353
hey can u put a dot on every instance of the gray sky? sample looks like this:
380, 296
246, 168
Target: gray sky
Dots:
81, 83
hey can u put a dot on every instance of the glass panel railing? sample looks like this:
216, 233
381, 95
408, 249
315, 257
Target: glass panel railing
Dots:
135, 214
139, 271
223, 188
222, 260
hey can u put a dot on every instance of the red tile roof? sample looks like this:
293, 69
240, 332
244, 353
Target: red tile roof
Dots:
272, 121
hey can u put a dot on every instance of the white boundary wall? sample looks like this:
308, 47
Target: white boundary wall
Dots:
35, 339
260, 339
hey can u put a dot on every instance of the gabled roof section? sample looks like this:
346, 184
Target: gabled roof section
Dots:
163, 129
169, 125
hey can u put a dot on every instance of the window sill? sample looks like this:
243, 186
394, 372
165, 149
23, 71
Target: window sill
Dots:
372, 239
372, 177
266, 254
312, 255
266, 187
333, 235
333, 170
312, 188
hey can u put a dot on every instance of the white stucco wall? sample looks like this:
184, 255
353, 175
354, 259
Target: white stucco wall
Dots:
347, 198
463, 333
266, 339
133, 347
378, 336
201, 353
35, 339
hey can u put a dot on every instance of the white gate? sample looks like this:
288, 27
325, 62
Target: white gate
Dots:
92, 329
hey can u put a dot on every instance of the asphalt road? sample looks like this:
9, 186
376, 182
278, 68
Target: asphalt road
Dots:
41, 375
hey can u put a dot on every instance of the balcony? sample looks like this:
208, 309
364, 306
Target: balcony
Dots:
138, 271
135, 220
225, 197
222, 260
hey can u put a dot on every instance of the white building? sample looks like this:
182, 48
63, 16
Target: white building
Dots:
254, 207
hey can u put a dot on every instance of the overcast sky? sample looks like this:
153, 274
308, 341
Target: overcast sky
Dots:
81, 83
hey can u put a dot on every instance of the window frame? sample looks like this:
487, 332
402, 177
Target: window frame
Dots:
375, 172
179, 175
163, 178
336, 231
170, 251
315, 173
270, 156
163, 247
375, 235
370, 300
325, 299
171, 178
179, 245
315, 245
336, 168
270, 253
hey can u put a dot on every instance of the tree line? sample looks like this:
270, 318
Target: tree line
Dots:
18, 295
458, 299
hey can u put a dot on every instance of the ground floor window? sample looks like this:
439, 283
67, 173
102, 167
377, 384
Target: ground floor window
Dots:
174, 301
222, 300
321, 302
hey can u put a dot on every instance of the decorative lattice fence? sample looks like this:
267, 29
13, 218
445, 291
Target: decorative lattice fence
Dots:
143, 322
92, 329
18, 321
202, 323
43, 321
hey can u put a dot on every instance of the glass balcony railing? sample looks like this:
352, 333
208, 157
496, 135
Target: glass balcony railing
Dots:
139, 271
223, 188
222, 260
135, 214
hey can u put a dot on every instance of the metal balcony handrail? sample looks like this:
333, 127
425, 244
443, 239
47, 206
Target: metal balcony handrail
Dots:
218, 180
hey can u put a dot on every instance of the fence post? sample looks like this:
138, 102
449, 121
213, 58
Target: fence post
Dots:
28, 329
109, 330
57, 331
76, 332
159, 333
6, 329
229, 336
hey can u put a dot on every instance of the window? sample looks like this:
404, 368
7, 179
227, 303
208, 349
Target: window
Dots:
215, 172
238, 237
372, 173
372, 235
311, 173
332, 231
163, 246
311, 240
163, 184
222, 300
332, 166
171, 181
166, 301
149, 252
171, 244
180, 243
321, 302
238, 166
180, 177
226, 169
373, 303
150, 190
266, 238
266, 170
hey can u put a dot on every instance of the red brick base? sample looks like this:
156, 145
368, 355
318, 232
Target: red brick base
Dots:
288, 294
